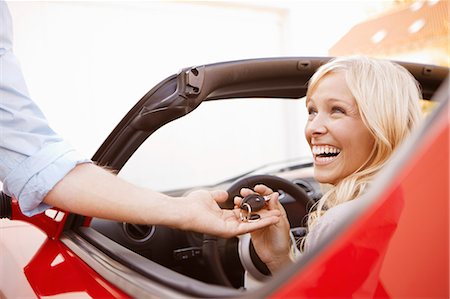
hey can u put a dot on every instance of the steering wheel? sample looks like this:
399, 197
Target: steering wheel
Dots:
249, 259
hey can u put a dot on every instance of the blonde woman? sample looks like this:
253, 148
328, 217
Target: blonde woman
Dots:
360, 110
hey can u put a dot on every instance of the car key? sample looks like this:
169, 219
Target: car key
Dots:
250, 204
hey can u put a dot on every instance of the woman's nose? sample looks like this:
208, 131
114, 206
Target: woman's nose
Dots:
316, 126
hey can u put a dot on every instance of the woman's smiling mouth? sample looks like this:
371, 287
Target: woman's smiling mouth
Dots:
324, 154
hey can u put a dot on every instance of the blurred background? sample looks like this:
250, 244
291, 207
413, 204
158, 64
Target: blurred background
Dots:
87, 63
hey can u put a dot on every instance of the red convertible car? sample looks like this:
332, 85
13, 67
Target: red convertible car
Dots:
397, 240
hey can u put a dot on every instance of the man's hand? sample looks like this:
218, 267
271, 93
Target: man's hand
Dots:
205, 215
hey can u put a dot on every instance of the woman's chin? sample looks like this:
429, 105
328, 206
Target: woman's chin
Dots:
325, 177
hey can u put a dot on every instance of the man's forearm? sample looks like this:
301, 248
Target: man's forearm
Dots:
92, 191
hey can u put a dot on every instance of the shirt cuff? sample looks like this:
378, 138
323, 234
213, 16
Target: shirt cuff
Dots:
37, 175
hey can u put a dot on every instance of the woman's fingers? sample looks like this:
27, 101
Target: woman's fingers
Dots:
263, 189
271, 204
260, 189
246, 191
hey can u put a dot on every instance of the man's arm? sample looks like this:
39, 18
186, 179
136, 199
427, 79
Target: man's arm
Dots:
92, 191
40, 169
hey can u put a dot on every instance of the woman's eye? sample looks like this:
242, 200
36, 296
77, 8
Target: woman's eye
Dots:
312, 111
338, 110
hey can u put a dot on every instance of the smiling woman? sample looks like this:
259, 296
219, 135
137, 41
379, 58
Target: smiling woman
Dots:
379, 108
339, 140
360, 110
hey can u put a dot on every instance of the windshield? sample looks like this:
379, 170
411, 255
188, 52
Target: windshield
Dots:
220, 140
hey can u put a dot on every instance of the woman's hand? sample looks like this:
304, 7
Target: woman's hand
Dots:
272, 243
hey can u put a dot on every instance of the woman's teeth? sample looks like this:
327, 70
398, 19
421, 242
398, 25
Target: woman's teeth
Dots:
325, 151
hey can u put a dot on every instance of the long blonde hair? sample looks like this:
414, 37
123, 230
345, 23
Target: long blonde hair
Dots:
387, 96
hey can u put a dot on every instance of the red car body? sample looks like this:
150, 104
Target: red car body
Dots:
396, 247
415, 263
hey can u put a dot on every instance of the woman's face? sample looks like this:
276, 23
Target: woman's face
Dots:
340, 142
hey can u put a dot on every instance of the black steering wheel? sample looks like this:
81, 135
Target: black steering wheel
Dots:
210, 248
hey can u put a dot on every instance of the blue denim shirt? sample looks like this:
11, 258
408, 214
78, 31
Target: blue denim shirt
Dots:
33, 158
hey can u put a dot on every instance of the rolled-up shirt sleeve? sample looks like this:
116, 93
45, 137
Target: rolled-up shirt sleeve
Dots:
33, 158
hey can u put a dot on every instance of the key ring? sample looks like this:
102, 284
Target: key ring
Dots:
249, 211
249, 203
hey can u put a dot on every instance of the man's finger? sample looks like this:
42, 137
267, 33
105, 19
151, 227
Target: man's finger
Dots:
219, 195
263, 222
